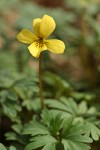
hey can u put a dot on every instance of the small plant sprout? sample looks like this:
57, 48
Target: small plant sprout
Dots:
38, 42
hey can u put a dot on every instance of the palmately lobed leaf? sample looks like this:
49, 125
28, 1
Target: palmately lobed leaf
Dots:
50, 146
57, 129
40, 141
35, 128
66, 125
74, 145
10, 136
55, 123
46, 116
79, 138
56, 104
92, 130
17, 128
68, 106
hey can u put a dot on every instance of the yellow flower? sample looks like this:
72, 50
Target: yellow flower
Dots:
38, 43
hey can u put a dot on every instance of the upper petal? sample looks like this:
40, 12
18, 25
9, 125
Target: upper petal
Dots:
55, 46
36, 26
26, 36
47, 26
35, 49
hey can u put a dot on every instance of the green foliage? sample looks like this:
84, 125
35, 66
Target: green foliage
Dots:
80, 112
9, 103
8, 61
2, 147
17, 135
57, 84
72, 120
54, 129
70, 106
92, 130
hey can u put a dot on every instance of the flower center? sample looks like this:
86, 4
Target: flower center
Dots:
39, 43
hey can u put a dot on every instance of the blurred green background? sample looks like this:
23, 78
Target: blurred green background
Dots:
75, 73
77, 25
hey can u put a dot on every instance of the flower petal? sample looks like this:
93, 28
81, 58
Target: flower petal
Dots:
26, 36
55, 46
47, 26
36, 26
35, 49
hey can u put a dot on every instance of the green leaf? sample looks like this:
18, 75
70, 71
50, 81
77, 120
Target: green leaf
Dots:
66, 145
46, 116
56, 104
55, 128
17, 128
56, 123
50, 146
35, 128
66, 125
82, 107
65, 105
10, 136
79, 138
12, 148
75, 137
68, 106
76, 128
92, 130
40, 141
71, 104
57, 83
74, 145
2, 147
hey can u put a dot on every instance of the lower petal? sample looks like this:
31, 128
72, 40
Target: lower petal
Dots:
55, 46
35, 49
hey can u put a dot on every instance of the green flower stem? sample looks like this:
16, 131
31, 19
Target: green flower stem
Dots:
40, 81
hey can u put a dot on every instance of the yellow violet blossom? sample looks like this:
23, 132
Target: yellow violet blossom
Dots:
38, 43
